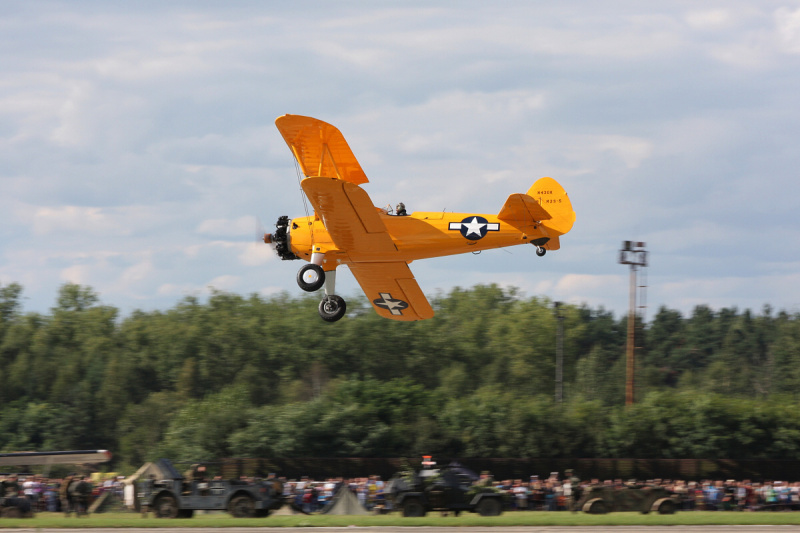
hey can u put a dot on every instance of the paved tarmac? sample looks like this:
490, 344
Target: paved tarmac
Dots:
499, 529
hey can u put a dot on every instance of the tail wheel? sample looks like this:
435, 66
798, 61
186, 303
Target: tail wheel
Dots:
489, 507
242, 507
166, 506
332, 308
311, 278
413, 508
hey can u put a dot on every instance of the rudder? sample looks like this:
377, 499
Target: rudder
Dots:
553, 199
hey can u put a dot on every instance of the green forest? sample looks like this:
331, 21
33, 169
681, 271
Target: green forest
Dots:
252, 376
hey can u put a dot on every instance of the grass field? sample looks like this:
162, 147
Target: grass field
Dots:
538, 518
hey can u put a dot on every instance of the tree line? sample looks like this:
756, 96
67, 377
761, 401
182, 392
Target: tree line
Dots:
263, 377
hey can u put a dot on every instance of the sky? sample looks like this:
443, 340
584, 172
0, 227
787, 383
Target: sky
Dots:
139, 155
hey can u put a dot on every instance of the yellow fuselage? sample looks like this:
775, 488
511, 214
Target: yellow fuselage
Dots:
417, 236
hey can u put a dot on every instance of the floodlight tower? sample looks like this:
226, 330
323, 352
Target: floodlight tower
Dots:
633, 254
559, 353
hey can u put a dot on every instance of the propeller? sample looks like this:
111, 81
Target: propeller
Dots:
261, 234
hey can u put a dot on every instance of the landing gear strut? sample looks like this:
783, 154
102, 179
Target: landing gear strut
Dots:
540, 251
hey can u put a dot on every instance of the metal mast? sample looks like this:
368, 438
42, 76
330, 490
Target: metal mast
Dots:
633, 254
559, 353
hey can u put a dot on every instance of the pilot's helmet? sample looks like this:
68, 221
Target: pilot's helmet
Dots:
401, 206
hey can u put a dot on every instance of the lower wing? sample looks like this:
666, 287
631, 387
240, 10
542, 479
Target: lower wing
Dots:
392, 290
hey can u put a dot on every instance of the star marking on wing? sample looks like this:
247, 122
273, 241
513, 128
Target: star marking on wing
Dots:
393, 305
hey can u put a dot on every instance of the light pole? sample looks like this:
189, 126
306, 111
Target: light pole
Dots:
633, 254
559, 353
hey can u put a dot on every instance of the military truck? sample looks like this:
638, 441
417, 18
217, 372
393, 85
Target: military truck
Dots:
174, 496
448, 489
15, 508
601, 499
12, 506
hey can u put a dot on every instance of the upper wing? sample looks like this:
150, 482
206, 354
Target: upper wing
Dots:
320, 149
392, 290
350, 218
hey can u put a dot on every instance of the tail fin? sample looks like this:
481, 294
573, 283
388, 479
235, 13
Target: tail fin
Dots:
545, 210
551, 196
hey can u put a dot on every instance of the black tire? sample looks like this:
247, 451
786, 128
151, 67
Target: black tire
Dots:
332, 308
540, 251
595, 506
665, 506
242, 506
311, 278
10, 512
166, 506
489, 507
413, 508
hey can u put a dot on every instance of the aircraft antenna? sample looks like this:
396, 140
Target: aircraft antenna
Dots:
302, 195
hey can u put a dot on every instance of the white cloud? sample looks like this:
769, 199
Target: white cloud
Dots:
710, 19
227, 227
138, 145
225, 283
788, 28
257, 254
71, 218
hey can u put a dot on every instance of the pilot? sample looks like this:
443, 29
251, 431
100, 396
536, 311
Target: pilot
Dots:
401, 210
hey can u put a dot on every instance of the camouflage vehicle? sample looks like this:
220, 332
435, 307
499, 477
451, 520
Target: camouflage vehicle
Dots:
15, 508
450, 488
173, 496
11, 505
601, 499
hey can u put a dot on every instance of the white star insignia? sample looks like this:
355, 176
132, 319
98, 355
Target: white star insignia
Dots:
473, 227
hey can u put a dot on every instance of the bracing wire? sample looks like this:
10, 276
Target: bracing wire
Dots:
302, 194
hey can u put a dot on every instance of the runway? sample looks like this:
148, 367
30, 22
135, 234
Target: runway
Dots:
499, 529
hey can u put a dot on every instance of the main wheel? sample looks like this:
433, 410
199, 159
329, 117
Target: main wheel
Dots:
664, 506
540, 251
489, 507
413, 508
311, 278
332, 308
166, 506
595, 506
242, 507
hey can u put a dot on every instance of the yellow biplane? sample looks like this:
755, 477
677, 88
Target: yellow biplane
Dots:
377, 244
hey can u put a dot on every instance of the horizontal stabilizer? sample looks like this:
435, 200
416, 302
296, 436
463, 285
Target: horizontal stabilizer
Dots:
521, 210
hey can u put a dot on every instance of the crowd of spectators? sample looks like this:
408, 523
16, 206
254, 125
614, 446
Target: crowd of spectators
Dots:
50, 494
533, 494
554, 494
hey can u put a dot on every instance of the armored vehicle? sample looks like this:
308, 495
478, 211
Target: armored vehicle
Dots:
174, 496
450, 488
601, 499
